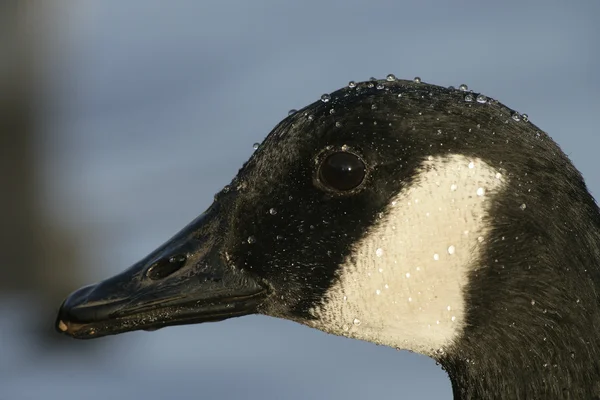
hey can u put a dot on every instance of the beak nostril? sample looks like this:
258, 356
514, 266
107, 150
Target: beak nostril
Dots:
165, 267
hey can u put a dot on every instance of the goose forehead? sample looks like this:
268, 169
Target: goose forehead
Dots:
403, 283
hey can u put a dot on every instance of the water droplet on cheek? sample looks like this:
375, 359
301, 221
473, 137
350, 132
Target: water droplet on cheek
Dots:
451, 250
436, 256
251, 239
356, 321
480, 192
379, 252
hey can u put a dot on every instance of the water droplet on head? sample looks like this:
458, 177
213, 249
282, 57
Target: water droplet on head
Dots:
436, 256
325, 98
471, 165
516, 116
480, 192
356, 321
338, 124
255, 146
451, 250
417, 79
378, 291
380, 86
272, 211
390, 78
523, 206
352, 84
453, 187
292, 112
379, 252
525, 117
469, 98
533, 302
463, 88
251, 239
481, 99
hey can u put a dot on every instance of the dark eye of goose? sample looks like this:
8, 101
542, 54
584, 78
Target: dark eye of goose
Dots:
342, 171
165, 267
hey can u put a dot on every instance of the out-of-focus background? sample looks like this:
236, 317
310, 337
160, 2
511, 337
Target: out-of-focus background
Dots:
119, 120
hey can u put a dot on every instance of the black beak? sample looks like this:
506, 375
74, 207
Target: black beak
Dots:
184, 281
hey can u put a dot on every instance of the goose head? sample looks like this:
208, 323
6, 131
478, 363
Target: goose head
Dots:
401, 213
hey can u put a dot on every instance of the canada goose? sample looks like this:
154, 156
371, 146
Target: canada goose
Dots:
419, 217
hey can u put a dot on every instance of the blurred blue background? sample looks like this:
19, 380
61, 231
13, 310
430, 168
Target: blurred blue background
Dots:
144, 109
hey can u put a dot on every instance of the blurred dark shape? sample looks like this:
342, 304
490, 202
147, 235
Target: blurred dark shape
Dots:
37, 256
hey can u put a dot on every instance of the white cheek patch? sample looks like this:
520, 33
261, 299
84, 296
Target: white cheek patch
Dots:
403, 284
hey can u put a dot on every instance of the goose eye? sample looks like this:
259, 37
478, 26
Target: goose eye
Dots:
342, 171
